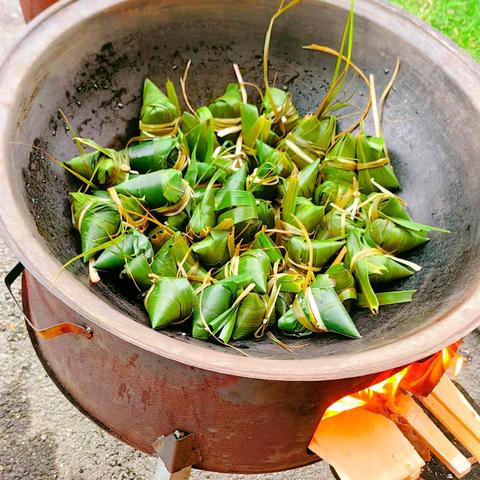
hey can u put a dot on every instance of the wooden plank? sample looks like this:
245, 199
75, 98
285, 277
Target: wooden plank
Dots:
410, 434
432, 436
359, 444
453, 400
451, 423
163, 474
415, 476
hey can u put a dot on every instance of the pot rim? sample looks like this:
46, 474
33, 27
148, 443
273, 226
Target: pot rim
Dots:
29, 247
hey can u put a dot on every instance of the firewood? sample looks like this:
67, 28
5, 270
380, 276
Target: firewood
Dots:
432, 436
410, 434
378, 403
359, 444
452, 399
453, 425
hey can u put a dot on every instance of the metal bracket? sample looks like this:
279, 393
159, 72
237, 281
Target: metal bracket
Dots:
45, 333
176, 453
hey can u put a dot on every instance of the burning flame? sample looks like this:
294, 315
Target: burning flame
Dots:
419, 378
346, 403
457, 365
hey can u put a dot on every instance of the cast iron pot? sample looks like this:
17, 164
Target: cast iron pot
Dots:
255, 413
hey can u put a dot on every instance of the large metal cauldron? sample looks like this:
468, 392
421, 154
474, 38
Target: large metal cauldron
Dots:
257, 413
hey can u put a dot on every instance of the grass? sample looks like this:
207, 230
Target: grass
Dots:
457, 19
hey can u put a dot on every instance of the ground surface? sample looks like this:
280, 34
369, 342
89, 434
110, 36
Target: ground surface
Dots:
43, 437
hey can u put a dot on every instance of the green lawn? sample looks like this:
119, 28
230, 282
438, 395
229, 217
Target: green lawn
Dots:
458, 19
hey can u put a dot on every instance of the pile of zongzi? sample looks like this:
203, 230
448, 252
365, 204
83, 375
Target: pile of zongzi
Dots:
243, 216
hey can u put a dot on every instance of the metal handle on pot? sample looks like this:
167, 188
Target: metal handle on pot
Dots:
45, 333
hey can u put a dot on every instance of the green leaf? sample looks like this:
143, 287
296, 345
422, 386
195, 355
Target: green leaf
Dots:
126, 247
361, 270
213, 301
307, 179
323, 250
138, 270
265, 243
370, 149
228, 105
170, 300
255, 263
153, 155
236, 181
172, 96
204, 216
394, 239
164, 264
338, 164
333, 314
235, 198
289, 325
104, 166
279, 103
418, 227
213, 250
157, 188
289, 203
98, 221
157, 109
384, 269
308, 214
289, 282
254, 127
389, 298
250, 315
181, 251
312, 137
344, 282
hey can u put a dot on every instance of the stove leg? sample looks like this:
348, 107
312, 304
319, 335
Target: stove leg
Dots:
176, 454
162, 472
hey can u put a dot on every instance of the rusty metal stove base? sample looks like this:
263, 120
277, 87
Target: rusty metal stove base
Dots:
176, 454
140, 384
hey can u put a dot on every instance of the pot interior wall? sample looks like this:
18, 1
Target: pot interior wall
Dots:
95, 75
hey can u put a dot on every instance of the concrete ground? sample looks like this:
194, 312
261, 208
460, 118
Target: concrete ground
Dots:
42, 437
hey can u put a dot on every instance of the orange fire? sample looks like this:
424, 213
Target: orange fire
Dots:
419, 378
